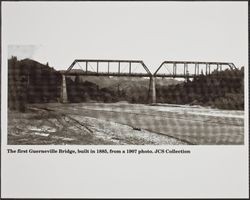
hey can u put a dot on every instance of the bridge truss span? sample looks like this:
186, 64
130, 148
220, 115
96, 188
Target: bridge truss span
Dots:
128, 68
184, 69
97, 67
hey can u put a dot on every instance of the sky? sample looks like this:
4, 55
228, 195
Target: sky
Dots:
59, 32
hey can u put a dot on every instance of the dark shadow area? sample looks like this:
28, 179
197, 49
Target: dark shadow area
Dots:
224, 90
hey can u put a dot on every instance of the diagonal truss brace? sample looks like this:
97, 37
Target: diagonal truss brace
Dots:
197, 63
110, 61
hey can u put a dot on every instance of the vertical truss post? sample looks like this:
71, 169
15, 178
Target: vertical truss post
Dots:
97, 67
86, 67
218, 68
185, 69
119, 67
206, 68
108, 67
129, 67
174, 69
196, 69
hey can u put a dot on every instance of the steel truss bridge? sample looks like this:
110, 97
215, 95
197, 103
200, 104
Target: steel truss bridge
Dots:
107, 72
167, 69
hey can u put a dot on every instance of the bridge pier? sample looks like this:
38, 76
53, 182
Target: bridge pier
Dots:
152, 90
64, 95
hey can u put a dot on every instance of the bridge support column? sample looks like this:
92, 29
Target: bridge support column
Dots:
64, 95
152, 90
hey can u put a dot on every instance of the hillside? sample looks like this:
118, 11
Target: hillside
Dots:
111, 89
32, 82
224, 90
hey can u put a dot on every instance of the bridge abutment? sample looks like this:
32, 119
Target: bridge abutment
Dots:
64, 94
152, 90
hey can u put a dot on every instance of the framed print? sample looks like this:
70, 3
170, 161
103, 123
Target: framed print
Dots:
124, 99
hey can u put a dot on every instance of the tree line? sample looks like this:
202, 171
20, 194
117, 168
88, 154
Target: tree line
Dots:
224, 90
33, 82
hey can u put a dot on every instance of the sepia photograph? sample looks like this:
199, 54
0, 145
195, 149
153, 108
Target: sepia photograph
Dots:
121, 102
136, 79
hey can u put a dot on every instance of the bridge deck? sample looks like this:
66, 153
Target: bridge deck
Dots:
107, 74
131, 75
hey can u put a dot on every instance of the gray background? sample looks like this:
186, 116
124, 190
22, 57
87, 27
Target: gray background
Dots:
148, 31
184, 31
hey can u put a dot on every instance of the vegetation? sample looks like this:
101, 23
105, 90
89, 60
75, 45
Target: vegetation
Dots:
87, 91
33, 82
223, 90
